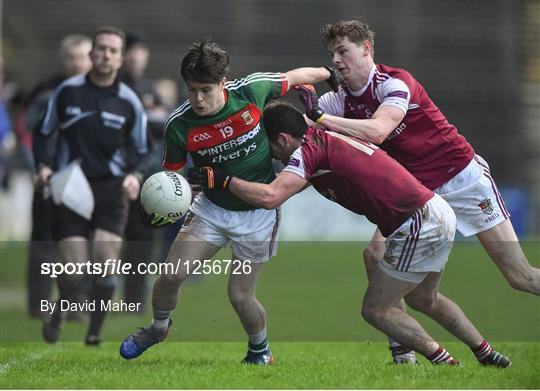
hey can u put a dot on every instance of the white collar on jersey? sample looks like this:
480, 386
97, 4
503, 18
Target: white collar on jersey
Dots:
363, 89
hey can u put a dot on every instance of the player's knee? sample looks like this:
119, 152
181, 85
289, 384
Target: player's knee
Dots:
373, 253
171, 280
522, 282
239, 298
370, 312
423, 303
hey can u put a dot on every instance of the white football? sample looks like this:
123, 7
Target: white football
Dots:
166, 194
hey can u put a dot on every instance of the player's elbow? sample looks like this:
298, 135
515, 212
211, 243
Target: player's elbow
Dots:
380, 129
377, 139
270, 200
379, 135
269, 203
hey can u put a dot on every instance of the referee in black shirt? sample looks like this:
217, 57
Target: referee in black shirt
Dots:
100, 121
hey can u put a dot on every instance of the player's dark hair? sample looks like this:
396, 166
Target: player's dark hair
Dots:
355, 30
110, 30
282, 117
205, 62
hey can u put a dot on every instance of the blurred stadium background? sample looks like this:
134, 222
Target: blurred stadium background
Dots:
479, 61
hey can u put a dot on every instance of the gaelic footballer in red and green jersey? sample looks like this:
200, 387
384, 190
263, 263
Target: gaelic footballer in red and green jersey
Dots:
234, 138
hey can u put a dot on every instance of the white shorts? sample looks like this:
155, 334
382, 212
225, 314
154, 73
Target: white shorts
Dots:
422, 243
253, 234
476, 201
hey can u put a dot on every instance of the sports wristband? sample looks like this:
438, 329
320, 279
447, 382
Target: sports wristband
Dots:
227, 182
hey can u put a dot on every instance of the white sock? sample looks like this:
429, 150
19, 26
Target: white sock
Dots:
393, 344
160, 324
258, 338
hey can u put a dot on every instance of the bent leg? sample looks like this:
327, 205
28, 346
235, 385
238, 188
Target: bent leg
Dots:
185, 249
73, 249
426, 299
373, 253
105, 245
502, 245
241, 290
380, 311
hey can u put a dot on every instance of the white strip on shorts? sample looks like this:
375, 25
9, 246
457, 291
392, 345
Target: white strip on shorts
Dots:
253, 234
422, 243
476, 201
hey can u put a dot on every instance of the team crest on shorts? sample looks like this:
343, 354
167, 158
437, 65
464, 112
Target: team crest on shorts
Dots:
486, 206
391, 246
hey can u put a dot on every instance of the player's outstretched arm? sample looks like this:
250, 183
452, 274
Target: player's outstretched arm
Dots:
307, 75
268, 196
374, 129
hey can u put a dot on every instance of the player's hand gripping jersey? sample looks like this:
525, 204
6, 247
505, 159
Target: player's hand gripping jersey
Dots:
233, 139
425, 142
360, 177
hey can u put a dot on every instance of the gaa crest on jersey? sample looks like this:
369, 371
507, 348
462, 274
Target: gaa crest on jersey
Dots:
246, 116
201, 137
486, 206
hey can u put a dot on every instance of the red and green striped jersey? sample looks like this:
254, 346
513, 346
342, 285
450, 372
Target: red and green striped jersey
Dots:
234, 138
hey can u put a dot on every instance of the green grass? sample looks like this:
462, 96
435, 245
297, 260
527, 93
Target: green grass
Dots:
216, 366
312, 293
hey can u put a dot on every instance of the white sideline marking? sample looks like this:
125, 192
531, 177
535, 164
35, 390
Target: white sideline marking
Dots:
5, 367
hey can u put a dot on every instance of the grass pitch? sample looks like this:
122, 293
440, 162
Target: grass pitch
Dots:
312, 293
207, 365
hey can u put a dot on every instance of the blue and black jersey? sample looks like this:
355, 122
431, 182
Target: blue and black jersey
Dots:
105, 127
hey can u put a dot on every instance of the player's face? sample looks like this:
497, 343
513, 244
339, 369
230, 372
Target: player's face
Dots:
137, 60
77, 59
280, 148
107, 56
206, 98
350, 59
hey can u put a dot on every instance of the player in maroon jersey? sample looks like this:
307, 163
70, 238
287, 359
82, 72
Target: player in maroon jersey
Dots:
388, 107
419, 225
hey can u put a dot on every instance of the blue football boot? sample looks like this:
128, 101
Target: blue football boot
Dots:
135, 345
263, 357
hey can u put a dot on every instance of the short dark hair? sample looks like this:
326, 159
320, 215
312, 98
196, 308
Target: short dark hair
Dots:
110, 30
135, 39
205, 62
356, 31
282, 117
